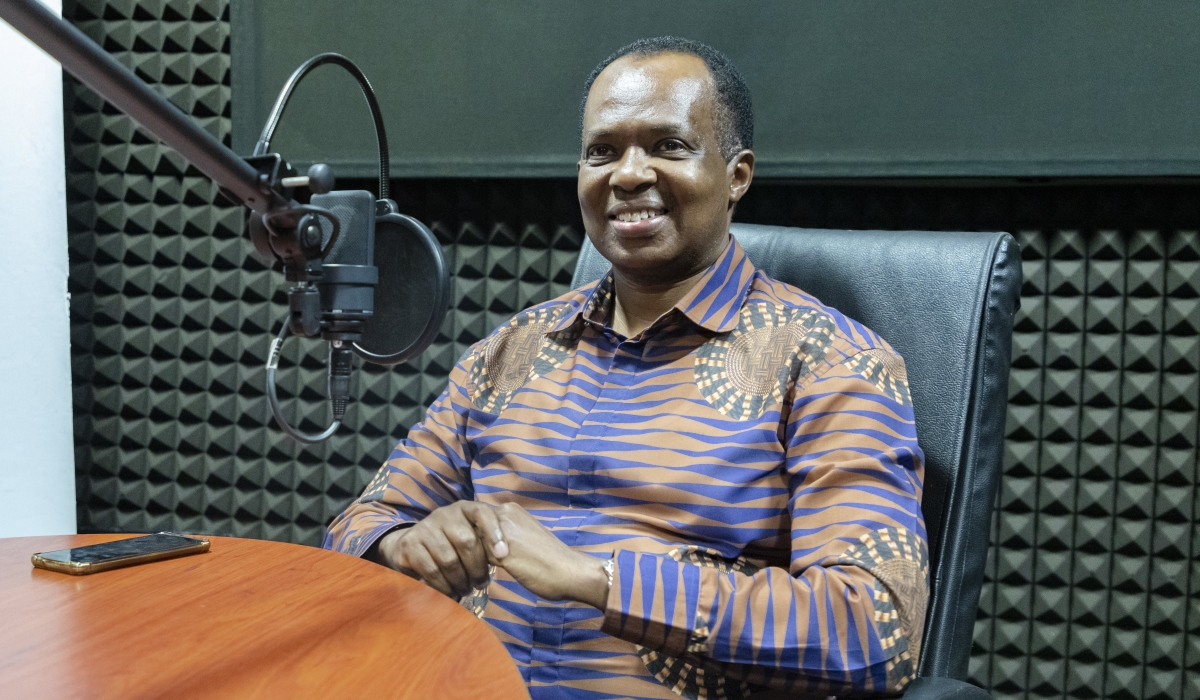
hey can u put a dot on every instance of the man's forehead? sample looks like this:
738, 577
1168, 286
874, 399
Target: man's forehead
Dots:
655, 91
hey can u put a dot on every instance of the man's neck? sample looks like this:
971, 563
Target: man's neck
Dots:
639, 304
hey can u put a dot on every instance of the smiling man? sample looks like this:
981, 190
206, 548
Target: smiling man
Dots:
686, 479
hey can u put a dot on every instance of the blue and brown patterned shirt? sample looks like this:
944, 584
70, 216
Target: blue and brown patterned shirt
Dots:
749, 462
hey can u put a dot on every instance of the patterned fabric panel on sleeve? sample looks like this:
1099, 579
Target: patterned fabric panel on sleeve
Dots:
749, 462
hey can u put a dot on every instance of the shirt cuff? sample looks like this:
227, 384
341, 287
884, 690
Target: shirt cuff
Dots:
363, 539
371, 552
660, 603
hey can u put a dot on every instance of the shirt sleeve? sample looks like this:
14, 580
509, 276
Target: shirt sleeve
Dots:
846, 615
430, 468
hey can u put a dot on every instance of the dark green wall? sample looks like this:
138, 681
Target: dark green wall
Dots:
862, 89
1094, 576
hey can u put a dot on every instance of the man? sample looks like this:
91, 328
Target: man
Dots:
689, 478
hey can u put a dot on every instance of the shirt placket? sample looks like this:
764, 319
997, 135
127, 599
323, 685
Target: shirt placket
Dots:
549, 625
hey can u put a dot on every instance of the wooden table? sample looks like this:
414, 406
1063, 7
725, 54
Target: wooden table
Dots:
249, 619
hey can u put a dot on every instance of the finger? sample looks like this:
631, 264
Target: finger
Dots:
487, 524
426, 569
471, 553
446, 557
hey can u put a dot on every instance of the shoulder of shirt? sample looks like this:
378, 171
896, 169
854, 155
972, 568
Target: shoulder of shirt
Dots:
850, 338
546, 312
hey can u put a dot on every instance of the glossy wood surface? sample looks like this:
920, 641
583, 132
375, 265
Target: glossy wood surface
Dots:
249, 619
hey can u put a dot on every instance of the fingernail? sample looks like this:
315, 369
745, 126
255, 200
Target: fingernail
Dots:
500, 549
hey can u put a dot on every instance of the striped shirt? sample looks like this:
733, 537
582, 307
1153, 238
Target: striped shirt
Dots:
749, 462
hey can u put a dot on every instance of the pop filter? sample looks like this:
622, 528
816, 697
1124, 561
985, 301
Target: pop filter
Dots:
412, 295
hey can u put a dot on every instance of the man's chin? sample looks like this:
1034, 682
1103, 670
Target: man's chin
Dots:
634, 252
647, 266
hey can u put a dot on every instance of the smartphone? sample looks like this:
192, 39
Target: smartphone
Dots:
113, 555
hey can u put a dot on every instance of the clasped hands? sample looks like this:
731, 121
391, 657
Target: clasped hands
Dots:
450, 550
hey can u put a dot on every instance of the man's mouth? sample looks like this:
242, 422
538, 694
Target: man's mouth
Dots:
635, 215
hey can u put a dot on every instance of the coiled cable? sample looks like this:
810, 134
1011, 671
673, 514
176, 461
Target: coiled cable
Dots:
273, 398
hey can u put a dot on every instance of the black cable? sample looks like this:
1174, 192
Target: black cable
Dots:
264, 141
273, 398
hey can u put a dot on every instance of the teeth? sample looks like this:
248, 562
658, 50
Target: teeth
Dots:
630, 216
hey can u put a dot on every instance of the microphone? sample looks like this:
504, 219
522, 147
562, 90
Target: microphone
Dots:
335, 300
347, 276
346, 286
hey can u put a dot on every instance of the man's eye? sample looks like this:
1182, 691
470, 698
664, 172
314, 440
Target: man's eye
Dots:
670, 146
599, 152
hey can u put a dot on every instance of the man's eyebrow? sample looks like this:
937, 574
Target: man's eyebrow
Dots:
605, 134
668, 128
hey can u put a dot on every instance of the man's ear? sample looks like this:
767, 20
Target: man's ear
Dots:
740, 171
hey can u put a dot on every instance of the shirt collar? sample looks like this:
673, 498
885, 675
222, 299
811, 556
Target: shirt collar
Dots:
589, 303
713, 302
716, 299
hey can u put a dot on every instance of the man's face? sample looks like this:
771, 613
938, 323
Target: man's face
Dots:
655, 191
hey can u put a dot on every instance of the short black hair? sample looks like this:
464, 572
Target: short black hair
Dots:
734, 117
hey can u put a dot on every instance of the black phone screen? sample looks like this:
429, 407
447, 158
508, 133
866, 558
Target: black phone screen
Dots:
122, 549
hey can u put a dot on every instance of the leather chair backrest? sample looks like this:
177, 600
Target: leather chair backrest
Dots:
945, 301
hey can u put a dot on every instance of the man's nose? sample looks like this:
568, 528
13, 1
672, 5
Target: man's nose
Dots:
633, 172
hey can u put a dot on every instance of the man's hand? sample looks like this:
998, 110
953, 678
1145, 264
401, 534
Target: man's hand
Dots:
451, 548
540, 562
446, 550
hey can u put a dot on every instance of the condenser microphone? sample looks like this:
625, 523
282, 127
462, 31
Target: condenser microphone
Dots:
346, 285
337, 298
380, 290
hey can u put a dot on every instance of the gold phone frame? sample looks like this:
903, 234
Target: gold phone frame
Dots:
77, 568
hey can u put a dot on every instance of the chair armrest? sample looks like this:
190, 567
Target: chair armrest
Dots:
943, 689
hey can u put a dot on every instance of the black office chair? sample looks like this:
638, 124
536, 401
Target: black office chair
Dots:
945, 301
